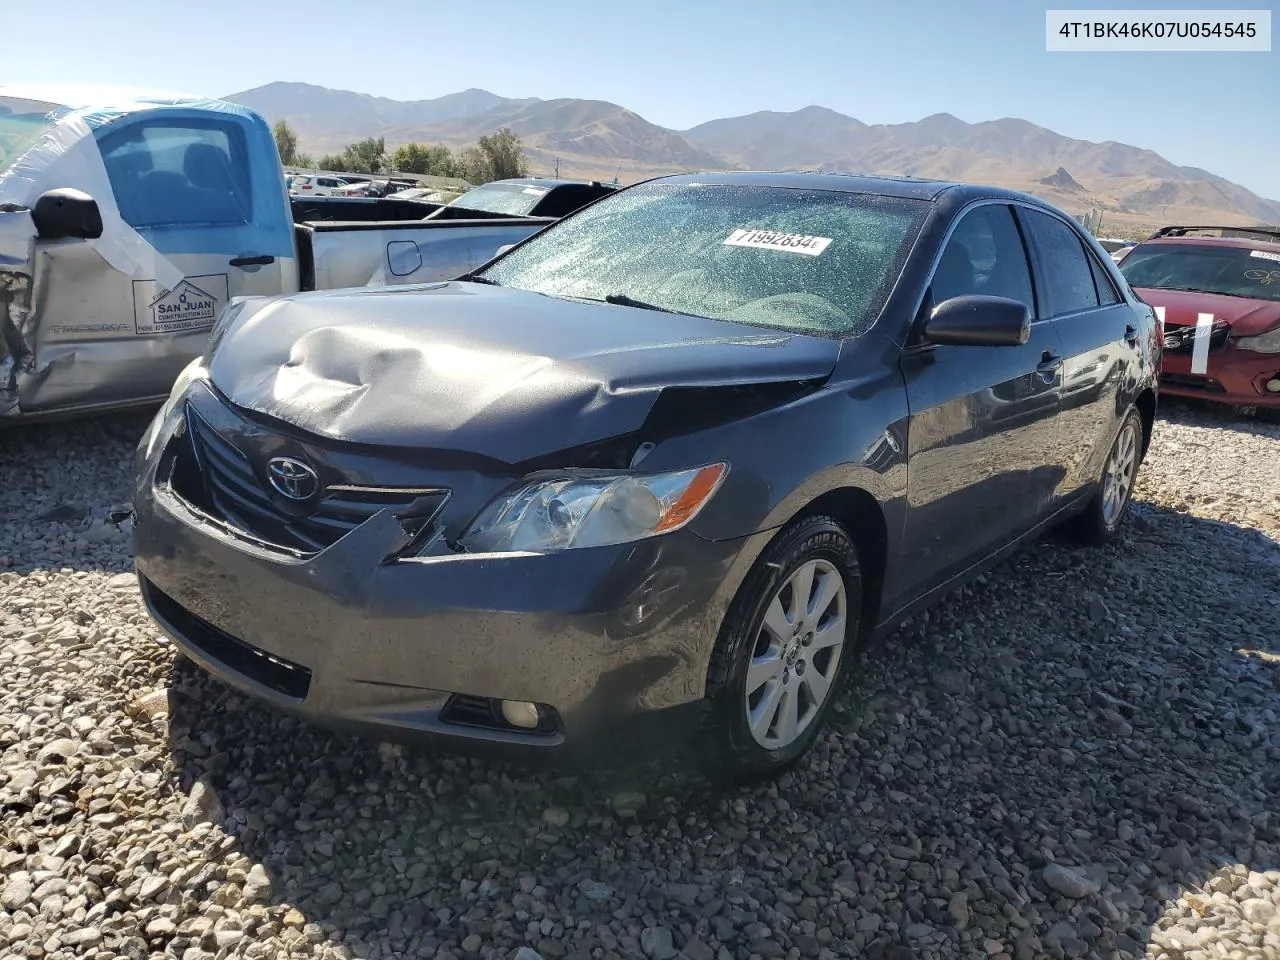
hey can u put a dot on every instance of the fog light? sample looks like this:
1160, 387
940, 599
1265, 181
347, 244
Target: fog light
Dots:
1273, 385
520, 714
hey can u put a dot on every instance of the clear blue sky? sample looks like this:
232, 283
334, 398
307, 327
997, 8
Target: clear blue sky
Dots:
678, 64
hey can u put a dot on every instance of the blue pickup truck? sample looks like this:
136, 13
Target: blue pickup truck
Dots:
128, 221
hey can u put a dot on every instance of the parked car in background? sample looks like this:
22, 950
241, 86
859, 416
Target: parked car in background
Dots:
373, 188
357, 189
317, 185
500, 199
1112, 244
127, 226
526, 197
1218, 297
423, 194
653, 474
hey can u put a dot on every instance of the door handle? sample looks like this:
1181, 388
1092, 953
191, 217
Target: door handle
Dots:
253, 261
1131, 335
1048, 366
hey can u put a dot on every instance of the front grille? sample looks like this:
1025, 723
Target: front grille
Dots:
1181, 338
228, 487
275, 673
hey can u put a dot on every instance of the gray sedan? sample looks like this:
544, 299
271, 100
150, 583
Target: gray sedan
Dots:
655, 471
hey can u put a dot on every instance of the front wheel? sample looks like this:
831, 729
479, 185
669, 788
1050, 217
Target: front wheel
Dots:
782, 652
1110, 503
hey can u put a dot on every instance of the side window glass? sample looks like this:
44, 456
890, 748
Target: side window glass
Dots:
1068, 278
985, 256
179, 173
1107, 294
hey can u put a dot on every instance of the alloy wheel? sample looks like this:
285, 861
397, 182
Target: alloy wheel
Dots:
1118, 476
796, 657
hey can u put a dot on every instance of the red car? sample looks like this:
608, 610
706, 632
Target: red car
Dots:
1218, 298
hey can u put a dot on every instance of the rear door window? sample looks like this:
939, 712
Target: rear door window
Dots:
1068, 277
1107, 294
177, 173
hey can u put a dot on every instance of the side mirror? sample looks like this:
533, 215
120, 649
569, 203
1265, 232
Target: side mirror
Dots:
66, 212
979, 321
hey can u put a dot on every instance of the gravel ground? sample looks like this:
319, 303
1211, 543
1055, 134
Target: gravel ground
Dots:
1077, 757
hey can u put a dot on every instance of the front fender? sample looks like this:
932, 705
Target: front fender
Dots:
846, 434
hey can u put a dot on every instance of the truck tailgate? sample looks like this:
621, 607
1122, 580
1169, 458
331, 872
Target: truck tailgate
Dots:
382, 253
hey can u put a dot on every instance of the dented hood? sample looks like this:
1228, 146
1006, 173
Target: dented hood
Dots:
488, 370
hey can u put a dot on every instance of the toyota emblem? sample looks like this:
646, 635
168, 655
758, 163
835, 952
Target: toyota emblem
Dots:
292, 478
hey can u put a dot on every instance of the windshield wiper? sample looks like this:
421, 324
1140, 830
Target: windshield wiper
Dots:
476, 278
1216, 293
622, 300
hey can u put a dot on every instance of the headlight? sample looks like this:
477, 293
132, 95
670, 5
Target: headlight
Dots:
162, 422
190, 373
561, 514
1268, 342
223, 323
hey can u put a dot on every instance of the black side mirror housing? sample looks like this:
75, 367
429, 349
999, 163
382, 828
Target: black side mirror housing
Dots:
979, 321
67, 213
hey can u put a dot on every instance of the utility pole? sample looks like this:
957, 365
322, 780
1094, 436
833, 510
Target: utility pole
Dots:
557, 168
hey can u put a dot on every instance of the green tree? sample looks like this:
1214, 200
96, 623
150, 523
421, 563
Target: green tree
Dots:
367, 156
437, 161
497, 156
337, 162
286, 143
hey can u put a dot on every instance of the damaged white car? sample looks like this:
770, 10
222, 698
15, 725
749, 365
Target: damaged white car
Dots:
128, 221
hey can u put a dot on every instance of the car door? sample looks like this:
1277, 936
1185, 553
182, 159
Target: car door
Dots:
202, 189
983, 448
1098, 339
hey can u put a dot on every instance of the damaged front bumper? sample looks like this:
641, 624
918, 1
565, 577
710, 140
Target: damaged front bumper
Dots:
612, 643
1231, 375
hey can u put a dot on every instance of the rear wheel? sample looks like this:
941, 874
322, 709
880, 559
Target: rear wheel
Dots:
1110, 503
783, 652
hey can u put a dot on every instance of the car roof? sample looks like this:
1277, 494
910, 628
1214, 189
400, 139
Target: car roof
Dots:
551, 182
1239, 243
913, 188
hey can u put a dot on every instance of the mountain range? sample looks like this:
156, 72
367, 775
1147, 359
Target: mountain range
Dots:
600, 140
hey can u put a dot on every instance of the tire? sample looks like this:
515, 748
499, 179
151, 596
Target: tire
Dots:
1102, 518
798, 666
